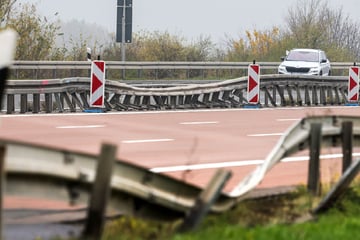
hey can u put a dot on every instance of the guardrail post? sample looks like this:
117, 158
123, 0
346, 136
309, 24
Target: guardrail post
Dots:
339, 188
48, 103
206, 198
36, 103
23, 103
314, 163
2, 186
100, 194
347, 132
314, 96
10, 103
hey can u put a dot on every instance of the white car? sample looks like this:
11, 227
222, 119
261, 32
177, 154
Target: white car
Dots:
305, 61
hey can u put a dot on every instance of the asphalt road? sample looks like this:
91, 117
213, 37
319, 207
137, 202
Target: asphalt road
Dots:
167, 141
189, 145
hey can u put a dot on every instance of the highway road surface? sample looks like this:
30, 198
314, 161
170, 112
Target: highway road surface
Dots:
188, 145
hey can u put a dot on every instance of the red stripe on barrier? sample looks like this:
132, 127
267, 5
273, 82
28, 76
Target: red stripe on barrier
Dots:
96, 83
255, 99
99, 102
353, 83
252, 83
100, 65
255, 68
355, 70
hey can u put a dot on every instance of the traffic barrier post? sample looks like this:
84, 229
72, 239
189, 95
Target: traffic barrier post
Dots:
97, 86
314, 163
253, 85
347, 144
205, 200
2, 186
339, 188
88, 54
353, 86
100, 193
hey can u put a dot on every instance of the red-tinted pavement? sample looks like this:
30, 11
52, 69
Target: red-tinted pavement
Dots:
168, 139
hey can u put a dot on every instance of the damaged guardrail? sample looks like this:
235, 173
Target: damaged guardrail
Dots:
72, 95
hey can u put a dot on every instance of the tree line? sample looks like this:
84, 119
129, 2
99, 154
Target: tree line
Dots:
308, 24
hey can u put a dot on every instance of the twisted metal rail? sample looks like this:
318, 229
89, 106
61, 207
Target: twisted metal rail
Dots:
72, 94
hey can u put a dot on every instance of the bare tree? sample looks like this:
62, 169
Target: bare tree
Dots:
6, 7
314, 24
36, 34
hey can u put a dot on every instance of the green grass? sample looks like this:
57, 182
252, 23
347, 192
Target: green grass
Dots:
267, 218
334, 226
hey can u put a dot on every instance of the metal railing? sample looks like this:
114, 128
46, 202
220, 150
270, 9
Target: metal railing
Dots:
148, 70
153, 65
72, 94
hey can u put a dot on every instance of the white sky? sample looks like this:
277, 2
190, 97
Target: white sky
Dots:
188, 18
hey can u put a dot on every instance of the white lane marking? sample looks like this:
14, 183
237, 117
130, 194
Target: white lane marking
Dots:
148, 140
84, 126
238, 163
265, 134
197, 123
163, 112
206, 166
287, 119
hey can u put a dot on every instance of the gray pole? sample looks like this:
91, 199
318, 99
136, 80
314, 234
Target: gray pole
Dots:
123, 38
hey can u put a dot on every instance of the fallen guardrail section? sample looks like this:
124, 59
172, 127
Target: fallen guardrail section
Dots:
50, 173
72, 95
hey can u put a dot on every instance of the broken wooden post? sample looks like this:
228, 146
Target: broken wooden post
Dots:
347, 144
339, 188
2, 186
314, 163
205, 200
100, 193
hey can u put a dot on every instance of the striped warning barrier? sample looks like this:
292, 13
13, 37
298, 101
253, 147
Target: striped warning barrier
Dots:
353, 85
97, 88
253, 86
88, 54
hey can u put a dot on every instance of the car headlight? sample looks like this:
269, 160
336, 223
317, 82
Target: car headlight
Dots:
315, 70
282, 68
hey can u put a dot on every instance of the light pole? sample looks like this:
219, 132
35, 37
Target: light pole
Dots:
123, 38
61, 44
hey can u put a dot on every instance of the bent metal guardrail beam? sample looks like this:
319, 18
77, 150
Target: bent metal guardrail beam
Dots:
44, 172
72, 94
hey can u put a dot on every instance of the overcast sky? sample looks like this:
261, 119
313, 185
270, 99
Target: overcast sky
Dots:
188, 18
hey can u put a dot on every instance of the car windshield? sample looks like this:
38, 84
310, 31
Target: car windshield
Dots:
305, 56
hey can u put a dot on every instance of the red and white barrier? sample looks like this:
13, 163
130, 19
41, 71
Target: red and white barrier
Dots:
353, 86
97, 88
253, 86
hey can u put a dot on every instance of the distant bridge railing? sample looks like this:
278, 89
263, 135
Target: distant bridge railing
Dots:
148, 70
72, 94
